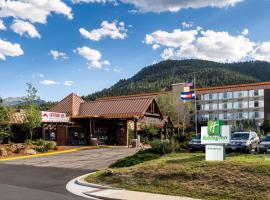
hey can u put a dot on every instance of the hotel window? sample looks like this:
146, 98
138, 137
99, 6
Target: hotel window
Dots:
206, 97
256, 104
256, 114
198, 107
256, 92
225, 106
225, 115
210, 106
261, 92
206, 107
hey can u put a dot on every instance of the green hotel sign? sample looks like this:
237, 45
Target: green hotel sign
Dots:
213, 133
214, 127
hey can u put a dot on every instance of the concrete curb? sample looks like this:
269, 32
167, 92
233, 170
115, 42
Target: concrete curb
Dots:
80, 181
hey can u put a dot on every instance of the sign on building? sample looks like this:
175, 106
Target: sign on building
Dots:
53, 117
215, 135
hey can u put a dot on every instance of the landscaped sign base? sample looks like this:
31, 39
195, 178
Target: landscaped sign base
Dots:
214, 152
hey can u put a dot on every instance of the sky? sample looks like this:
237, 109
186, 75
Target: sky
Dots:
83, 46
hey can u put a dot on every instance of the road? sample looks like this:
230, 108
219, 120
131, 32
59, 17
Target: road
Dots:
45, 178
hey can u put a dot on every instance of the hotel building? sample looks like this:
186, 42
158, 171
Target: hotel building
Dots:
234, 103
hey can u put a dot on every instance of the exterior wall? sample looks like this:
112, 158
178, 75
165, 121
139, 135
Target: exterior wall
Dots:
266, 102
233, 106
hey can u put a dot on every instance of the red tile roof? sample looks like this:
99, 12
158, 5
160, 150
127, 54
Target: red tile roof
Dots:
69, 105
116, 108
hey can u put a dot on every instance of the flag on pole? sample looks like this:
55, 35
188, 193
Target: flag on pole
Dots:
188, 95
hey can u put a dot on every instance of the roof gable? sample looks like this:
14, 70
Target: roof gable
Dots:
69, 105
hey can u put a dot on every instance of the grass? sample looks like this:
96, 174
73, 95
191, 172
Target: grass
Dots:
188, 174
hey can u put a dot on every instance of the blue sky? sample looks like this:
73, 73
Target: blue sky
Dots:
43, 44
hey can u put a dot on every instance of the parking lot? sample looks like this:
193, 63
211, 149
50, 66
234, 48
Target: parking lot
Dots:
45, 177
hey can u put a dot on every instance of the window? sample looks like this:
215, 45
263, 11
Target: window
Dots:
206, 97
210, 106
225, 106
225, 115
256, 92
198, 107
256, 104
256, 114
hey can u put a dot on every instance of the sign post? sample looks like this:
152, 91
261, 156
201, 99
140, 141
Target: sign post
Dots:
215, 135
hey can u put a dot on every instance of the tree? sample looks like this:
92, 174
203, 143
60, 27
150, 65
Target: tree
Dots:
31, 96
32, 114
5, 115
32, 119
266, 124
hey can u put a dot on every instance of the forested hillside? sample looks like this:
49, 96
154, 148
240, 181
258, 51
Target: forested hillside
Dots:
160, 76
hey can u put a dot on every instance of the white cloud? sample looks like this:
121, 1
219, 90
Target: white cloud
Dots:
58, 55
93, 1
262, 52
68, 83
35, 11
174, 39
187, 24
155, 46
9, 49
113, 30
25, 28
93, 56
169, 5
2, 25
207, 45
48, 82
168, 53
245, 32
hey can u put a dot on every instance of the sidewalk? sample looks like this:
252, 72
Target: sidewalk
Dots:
80, 187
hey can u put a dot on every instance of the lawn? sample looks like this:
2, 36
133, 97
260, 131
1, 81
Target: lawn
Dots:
187, 174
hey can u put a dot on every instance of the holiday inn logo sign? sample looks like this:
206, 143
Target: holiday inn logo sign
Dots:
215, 133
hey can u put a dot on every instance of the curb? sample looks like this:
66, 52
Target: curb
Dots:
80, 181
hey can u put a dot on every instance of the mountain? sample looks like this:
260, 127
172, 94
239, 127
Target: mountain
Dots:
18, 101
160, 76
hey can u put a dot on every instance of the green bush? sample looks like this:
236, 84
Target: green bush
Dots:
40, 142
41, 149
28, 142
50, 145
163, 146
139, 157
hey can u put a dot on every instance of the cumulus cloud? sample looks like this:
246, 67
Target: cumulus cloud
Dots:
9, 49
35, 11
58, 55
93, 56
25, 28
245, 31
168, 5
112, 30
68, 83
177, 38
262, 52
49, 82
207, 45
2, 25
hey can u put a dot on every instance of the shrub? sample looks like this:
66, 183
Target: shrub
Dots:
183, 139
40, 142
50, 145
28, 142
163, 146
41, 149
139, 157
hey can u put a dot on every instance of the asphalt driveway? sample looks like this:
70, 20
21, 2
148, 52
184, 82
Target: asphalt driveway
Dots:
45, 178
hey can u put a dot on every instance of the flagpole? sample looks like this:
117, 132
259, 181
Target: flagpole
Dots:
196, 123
